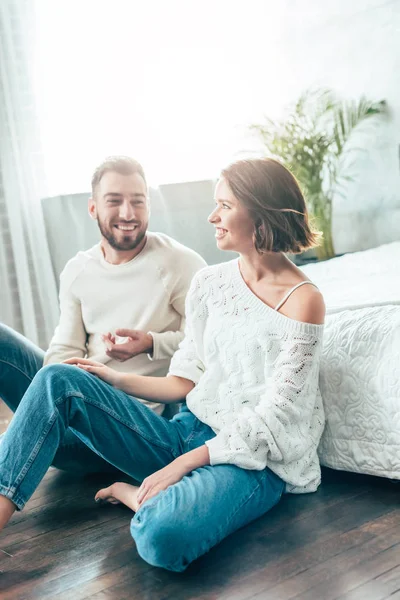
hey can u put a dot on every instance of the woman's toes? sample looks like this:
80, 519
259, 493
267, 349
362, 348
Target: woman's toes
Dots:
106, 495
119, 492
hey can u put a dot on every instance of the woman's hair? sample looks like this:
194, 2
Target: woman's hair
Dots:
275, 202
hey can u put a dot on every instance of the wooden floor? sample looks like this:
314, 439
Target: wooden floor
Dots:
342, 542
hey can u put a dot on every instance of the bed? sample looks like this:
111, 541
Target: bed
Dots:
360, 369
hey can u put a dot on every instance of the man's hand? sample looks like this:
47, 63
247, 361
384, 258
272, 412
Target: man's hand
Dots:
138, 342
96, 368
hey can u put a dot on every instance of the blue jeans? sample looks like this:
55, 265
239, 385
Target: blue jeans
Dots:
179, 524
20, 360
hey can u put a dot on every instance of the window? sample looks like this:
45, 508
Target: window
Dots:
173, 84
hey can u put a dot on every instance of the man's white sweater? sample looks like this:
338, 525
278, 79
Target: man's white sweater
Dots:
147, 293
256, 375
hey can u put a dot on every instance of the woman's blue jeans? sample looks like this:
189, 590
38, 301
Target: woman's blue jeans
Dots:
176, 526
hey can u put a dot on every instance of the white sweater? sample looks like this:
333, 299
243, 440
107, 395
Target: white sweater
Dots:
256, 373
148, 294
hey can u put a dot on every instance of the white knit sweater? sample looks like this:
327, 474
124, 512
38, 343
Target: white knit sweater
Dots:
256, 373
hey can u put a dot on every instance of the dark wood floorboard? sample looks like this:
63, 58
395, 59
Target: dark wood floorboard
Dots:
341, 543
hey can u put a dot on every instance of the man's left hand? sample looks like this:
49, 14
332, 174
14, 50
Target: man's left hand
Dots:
138, 342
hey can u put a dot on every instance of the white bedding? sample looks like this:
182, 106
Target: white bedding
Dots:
360, 370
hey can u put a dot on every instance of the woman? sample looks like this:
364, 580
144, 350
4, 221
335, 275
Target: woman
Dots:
248, 368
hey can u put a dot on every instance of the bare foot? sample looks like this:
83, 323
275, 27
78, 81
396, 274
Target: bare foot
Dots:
119, 492
7, 509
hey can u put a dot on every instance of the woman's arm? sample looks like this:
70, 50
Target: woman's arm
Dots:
188, 367
155, 389
278, 429
172, 473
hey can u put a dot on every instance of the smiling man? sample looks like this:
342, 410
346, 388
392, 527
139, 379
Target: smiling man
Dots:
122, 302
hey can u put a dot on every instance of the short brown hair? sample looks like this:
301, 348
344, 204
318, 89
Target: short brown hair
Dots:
274, 200
124, 165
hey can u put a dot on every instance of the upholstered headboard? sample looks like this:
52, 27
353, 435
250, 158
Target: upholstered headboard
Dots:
360, 221
179, 210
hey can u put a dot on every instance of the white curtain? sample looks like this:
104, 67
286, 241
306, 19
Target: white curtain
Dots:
28, 293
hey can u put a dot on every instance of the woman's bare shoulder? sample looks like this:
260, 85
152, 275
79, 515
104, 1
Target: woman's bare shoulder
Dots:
306, 304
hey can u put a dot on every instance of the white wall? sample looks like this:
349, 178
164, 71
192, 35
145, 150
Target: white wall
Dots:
220, 67
353, 46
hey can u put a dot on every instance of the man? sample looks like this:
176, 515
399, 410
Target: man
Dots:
121, 302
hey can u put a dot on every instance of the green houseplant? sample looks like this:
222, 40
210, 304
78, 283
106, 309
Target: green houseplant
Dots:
314, 143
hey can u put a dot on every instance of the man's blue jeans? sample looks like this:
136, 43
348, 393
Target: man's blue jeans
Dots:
179, 524
20, 360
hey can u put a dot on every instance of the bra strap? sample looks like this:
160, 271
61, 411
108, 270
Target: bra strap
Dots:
290, 292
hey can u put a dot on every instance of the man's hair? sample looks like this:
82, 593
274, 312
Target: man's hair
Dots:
124, 165
275, 203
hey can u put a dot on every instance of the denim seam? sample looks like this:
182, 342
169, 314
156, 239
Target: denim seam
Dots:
110, 412
21, 476
195, 431
189, 438
12, 495
5, 362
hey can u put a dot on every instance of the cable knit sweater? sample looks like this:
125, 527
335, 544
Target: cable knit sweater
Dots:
256, 373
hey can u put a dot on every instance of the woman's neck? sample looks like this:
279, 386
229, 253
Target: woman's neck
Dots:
255, 266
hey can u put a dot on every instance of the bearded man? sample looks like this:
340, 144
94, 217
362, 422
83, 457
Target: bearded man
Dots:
122, 302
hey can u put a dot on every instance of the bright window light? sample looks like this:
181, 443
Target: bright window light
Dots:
174, 84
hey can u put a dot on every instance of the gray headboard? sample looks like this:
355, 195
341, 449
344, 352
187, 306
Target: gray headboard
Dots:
179, 210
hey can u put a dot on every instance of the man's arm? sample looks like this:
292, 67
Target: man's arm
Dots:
140, 342
70, 336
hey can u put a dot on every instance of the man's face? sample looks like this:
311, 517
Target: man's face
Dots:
121, 208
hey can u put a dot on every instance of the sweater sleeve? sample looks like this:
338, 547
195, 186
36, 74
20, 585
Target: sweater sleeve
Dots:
278, 428
187, 361
70, 336
166, 343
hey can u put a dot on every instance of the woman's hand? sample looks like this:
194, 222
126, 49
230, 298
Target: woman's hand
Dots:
172, 473
161, 480
96, 368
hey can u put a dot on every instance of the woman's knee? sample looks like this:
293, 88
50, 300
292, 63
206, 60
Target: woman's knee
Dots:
160, 539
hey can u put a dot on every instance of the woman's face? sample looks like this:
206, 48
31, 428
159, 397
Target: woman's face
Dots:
234, 228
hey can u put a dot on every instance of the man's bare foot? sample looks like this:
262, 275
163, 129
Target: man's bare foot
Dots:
119, 492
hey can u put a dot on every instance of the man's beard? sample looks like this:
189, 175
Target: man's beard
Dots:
128, 244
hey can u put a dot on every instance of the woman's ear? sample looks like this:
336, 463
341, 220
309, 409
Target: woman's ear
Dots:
261, 242
260, 229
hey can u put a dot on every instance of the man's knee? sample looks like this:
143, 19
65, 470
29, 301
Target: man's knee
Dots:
56, 379
8, 337
18, 351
